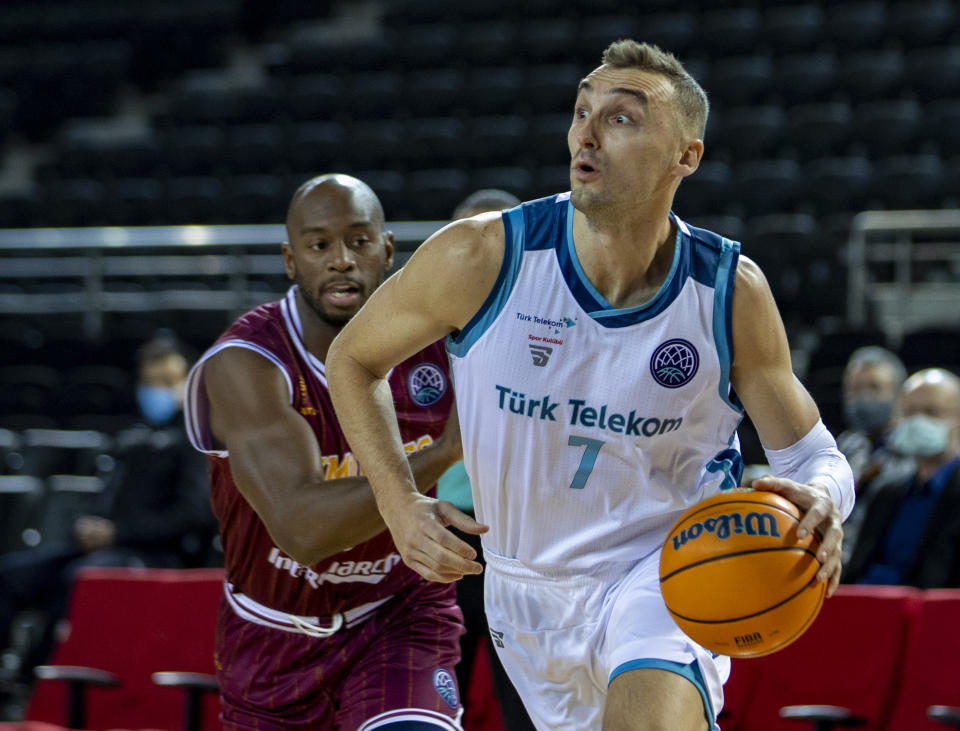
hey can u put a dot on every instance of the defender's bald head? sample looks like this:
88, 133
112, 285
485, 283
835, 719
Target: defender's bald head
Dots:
335, 187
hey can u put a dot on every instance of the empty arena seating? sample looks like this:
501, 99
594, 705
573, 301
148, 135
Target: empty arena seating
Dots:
876, 657
48, 477
880, 654
21, 511
28, 388
817, 108
930, 347
707, 192
852, 657
793, 27
931, 663
133, 623
159, 620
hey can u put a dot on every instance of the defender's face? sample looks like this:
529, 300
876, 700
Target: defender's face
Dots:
338, 252
624, 139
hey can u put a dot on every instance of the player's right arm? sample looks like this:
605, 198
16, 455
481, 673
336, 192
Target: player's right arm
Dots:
439, 290
813, 475
275, 461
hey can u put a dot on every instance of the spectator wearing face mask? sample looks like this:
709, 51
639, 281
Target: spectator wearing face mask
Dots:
153, 512
871, 380
911, 532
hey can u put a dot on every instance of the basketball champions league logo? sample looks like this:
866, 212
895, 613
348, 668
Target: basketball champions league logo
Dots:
445, 686
674, 363
426, 384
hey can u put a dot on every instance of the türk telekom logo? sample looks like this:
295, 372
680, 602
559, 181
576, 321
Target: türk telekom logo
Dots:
555, 323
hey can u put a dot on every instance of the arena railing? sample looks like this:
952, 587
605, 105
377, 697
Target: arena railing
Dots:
84, 270
903, 269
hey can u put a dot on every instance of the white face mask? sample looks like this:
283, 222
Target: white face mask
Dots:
921, 436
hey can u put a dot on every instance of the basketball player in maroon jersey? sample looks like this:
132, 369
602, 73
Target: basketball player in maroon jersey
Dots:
322, 625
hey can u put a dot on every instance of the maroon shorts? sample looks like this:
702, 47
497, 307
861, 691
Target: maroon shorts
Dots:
401, 658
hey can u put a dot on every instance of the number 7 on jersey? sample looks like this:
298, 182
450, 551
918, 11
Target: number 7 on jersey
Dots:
587, 461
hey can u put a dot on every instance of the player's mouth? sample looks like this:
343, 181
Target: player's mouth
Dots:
585, 171
341, 294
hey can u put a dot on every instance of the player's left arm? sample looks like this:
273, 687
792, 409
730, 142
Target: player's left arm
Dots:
809, 470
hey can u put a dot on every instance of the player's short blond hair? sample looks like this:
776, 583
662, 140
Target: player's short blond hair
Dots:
692, 104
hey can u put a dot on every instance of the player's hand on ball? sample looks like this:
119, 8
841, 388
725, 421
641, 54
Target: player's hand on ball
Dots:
821, 514
418, 525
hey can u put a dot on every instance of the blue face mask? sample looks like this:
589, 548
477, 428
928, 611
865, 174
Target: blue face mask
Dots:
157, 404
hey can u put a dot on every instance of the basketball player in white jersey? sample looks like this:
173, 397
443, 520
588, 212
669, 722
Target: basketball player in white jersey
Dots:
603, 352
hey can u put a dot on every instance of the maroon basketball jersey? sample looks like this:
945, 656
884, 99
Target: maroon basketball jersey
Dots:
368, 572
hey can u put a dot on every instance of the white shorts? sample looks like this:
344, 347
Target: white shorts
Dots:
563, 639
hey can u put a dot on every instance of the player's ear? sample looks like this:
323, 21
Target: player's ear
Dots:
388, 244
690, 157
289, 263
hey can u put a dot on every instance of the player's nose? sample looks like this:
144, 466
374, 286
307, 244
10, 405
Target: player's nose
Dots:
342, 256
586, 135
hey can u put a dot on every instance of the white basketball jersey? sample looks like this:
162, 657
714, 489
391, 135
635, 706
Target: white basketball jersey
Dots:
588, 429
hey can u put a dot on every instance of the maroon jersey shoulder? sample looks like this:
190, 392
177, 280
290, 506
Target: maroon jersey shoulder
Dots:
365, 573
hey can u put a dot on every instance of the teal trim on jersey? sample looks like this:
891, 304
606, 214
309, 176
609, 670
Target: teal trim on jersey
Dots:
723, 318
599, 303
691, 672
603, 309
513, 229
545, 220
728, 463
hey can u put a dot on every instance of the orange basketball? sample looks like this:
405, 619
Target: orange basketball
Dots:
736, 578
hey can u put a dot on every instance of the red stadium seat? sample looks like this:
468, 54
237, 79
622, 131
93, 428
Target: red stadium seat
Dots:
737, 693
133, 623
931, 662
481, 708
851, 657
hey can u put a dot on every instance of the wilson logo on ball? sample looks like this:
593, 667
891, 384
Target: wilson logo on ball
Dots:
724, 526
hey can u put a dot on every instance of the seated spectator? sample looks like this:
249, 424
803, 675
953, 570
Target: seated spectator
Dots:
153, 512
871, 381
911, 530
